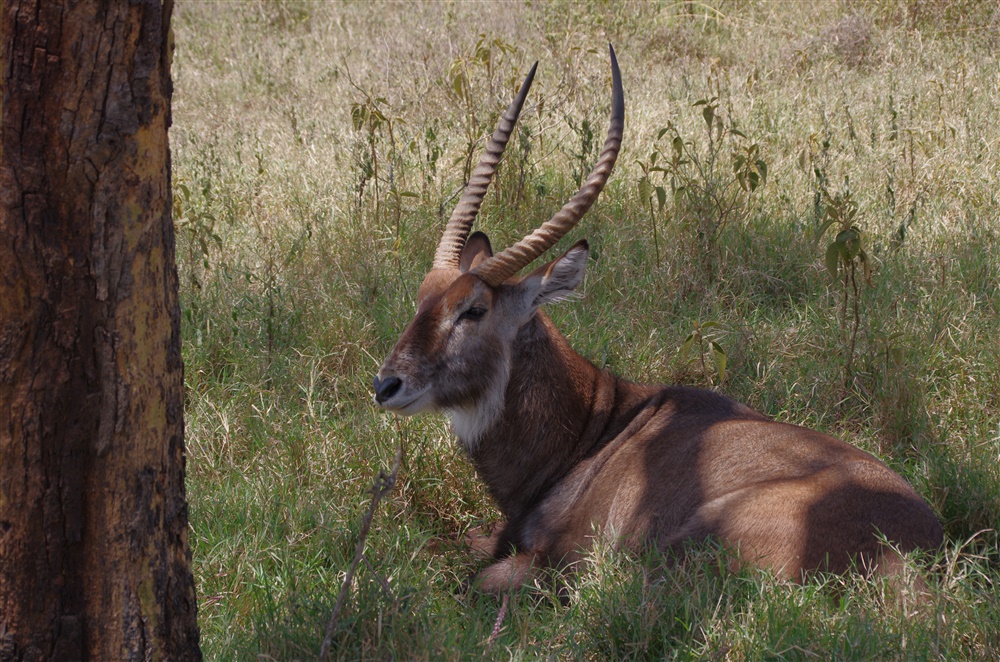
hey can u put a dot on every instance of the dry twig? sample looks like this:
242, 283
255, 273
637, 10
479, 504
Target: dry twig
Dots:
381, 487
381, 580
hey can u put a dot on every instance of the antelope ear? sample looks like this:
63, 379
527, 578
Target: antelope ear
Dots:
477, 249
557, 279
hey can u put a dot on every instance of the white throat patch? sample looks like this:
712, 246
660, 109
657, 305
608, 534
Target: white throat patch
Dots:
470, 423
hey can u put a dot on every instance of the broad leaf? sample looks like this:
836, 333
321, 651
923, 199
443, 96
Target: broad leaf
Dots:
720, 359
833, 259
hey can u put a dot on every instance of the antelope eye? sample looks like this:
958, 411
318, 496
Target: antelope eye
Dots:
475, 314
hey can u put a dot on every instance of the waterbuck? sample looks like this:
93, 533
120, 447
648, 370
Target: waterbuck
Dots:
570, 452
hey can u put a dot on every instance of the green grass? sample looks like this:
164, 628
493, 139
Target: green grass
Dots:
317, 150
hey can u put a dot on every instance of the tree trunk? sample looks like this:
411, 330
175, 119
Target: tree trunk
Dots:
94, 557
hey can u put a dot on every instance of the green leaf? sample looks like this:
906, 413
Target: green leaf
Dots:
682, 351
661, 133
720, 359
645, 189
358, 116
833, 259
865, 266
850, 240
822, 229
460, 84
661, 197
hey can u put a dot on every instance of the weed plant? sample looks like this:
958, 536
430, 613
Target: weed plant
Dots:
318, 150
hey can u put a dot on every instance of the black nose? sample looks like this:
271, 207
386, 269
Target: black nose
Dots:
386, 388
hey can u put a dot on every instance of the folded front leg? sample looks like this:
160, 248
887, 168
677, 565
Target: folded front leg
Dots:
508, 573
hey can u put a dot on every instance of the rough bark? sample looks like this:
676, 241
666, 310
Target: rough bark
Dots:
94, 556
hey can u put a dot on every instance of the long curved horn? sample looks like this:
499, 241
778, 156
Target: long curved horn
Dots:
502, 266
457, 231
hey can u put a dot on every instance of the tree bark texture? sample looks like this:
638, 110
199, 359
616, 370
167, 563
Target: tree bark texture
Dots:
94, 556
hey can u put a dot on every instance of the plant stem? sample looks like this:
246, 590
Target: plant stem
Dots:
381, 487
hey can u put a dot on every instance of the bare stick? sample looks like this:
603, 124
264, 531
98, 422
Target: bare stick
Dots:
381, 580
382, 486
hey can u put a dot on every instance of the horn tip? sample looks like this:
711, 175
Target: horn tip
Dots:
617, 93
530, 77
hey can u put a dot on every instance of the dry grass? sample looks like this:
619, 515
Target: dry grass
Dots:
317, 147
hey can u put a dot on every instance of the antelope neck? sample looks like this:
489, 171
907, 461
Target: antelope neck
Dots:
556, 411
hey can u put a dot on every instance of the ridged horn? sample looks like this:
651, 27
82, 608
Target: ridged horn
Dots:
502, 266
457, 231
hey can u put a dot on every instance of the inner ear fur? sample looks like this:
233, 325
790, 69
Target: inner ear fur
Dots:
557, 279
477, 249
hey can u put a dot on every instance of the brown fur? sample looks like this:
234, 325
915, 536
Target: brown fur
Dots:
570, 452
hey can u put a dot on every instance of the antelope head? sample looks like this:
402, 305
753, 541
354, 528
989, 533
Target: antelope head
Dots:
455, 355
